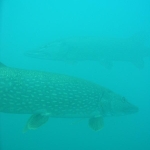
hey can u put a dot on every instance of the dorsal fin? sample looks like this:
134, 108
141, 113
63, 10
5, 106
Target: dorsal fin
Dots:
2, 65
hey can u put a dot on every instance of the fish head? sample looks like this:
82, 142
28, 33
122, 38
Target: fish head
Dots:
114, 104
53, 51
123, 107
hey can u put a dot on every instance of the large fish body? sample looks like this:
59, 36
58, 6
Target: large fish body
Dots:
105, 50
47, 95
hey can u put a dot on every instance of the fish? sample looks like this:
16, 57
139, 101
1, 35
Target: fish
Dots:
104, 50
44, 95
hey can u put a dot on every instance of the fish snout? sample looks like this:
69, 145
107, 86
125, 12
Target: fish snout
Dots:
131, 109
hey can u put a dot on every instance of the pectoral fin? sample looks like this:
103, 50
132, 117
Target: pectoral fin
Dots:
36, 121
96, 123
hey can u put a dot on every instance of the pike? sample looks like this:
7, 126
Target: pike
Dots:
45, 95
104, 50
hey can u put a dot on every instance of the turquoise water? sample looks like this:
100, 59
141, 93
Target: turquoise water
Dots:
26, 25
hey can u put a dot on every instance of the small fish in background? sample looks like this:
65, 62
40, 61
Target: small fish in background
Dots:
45, 95
105, 50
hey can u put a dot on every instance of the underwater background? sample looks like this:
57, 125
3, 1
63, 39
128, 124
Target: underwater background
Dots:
26, 25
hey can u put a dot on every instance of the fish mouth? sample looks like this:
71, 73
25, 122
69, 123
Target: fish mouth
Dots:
132, 109
36, 54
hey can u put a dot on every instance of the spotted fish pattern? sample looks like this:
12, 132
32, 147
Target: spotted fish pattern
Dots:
45, 94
